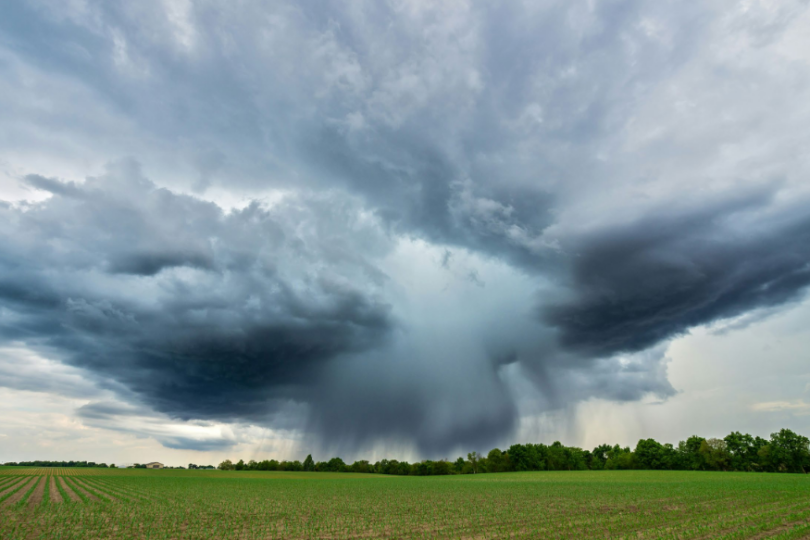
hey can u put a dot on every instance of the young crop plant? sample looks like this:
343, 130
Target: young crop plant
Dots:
529, 505
46, 495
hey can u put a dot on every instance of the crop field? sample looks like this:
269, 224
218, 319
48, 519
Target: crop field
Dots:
136, 503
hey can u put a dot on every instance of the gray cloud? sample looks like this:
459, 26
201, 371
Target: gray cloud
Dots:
633, 169
186, 443
654, 278
194, 340
143, 422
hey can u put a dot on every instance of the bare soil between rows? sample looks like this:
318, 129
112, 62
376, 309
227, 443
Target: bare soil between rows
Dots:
39, 492
56, 497
70, 493
86, 486
20, 494
10, 486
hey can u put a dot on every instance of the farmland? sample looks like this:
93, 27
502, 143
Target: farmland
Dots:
129, 503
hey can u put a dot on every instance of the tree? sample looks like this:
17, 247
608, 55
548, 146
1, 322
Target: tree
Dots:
599, 456
226, 465
789, 452
309, 463
497, 461
519, 455
473, 458
619, 458
715, 455
689, 456
420, 469
649, 454
562, 458
739, 448
440, 467
336, 465
361, 466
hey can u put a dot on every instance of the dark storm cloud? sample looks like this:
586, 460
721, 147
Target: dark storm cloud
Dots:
638, 284
447, 399
230, 338
187, 443
546, 137
106, 410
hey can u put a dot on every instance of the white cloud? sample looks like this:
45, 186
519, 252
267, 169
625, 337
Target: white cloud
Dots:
798, 406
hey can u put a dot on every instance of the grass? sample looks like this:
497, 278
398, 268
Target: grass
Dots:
274, 505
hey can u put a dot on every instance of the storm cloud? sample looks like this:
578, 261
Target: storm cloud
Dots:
654, 278
392, 224
205, 314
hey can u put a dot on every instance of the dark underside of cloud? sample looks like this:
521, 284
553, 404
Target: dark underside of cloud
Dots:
635, 168
228, 339
117, 417
636, 285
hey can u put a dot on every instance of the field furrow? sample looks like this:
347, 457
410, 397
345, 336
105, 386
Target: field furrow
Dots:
18, 492
39, 492
11, 484
99, 493
127, 491
66, 490
53, 490
83, 494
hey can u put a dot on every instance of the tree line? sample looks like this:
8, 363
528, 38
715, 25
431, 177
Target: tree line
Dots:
785, 451
58, 464
91, 464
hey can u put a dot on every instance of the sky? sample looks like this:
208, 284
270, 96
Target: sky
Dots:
399, 228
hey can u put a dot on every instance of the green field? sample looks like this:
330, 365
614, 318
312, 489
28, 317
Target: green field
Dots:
136, 503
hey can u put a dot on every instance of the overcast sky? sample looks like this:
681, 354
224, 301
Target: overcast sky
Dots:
403, 229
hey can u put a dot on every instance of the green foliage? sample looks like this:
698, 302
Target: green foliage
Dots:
619, 459
528, 457
650, 454
440, 468
743, 450
786, 451
335, 465
715, 455
39, 463
226, 466
599, 457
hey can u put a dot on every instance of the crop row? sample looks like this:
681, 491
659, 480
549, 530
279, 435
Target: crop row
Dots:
686, 506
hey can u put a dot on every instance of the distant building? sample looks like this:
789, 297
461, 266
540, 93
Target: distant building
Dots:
154, 465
